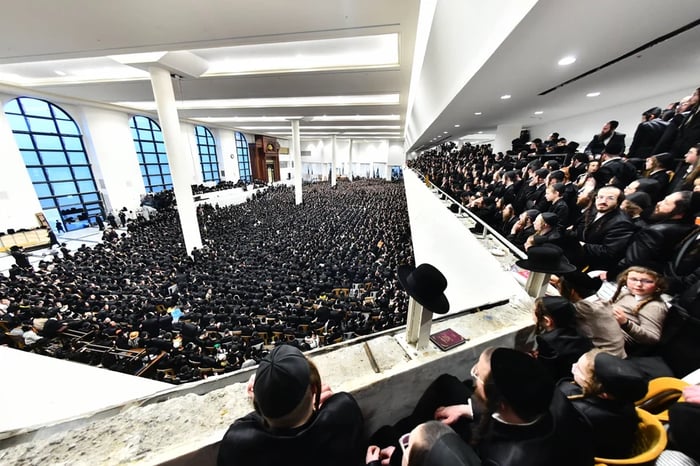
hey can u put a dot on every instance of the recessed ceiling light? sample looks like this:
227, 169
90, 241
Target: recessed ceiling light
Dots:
593, 94
60, 73
566, 60
480, 132
539, 112
505, 96
444, 132
477, 113
456, 126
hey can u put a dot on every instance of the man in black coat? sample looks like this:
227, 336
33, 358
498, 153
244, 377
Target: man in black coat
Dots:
689, 131
295, 421
614, 169
648, 133
655, 244
532, 424
604, 231
607, 135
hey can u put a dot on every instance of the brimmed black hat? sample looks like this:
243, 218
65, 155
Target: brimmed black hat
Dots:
582, 283
425, 284
523, 381
620, 378
281, 381
547, 258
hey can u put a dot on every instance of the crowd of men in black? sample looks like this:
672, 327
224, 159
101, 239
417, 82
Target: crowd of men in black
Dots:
533, 197
269, 271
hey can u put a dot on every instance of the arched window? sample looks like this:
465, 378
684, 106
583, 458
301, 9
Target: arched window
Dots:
153, 159
52, 148
243, 157
207, 154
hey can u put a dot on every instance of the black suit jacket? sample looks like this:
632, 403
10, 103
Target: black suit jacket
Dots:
654, 245
334, 435
688, 133
605, 239
617, 172
596, 146
645, 138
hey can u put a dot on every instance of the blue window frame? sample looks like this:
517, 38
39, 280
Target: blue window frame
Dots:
52, 147
148, 140
243, 157
206, 145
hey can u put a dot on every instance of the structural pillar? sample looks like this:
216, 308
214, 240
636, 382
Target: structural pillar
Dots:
296, 150
180, 165
536, 284
387, 169
350, 161
418, 323
333, 161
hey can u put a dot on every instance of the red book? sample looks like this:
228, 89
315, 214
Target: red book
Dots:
447, 339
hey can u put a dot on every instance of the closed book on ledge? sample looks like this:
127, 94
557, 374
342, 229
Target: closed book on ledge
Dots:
447, 339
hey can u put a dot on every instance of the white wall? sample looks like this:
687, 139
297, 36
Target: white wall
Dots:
189, 139
18, 200
444, 74
226, 150
111, 151
581, 128
367, 157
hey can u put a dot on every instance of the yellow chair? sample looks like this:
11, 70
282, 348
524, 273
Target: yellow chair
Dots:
650, 441
662, 392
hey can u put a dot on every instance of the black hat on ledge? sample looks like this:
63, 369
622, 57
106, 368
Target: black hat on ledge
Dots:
425, 284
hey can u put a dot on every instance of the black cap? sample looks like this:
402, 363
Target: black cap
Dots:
560, 309
281, 381
550, 219
619, 377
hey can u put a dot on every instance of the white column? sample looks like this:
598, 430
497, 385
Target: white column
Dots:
350, 161
418, 323
180, 167
296, 151
387, 168
333, 161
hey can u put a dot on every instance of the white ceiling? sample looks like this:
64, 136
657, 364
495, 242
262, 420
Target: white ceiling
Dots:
360, 50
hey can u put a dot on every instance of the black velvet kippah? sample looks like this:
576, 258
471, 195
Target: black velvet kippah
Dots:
281, 381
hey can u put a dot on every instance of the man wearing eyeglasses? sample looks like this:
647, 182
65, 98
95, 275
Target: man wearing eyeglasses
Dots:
604, 231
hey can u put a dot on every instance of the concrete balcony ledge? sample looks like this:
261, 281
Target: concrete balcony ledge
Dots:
184, 424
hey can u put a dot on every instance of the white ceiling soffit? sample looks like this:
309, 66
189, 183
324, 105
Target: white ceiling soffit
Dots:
595, 32
339, 59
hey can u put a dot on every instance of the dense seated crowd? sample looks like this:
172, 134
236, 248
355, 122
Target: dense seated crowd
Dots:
269, 271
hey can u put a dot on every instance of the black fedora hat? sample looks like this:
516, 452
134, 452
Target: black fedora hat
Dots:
426, 285
547, 258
